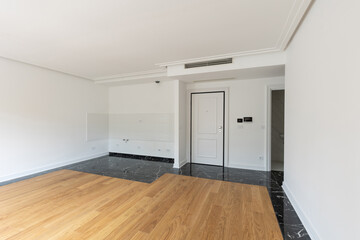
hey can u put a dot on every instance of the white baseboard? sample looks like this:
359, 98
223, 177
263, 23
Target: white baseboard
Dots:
248, 167
49, 167
304, 219
182, 163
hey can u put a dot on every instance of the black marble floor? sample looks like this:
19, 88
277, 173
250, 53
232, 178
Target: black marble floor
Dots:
147, 171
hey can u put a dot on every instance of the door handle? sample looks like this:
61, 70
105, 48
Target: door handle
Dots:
220, 128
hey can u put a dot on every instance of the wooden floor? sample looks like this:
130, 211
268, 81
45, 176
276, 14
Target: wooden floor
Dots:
73, 205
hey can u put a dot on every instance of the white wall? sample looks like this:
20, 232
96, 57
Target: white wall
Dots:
180, 123
140, 103
43, 119
322, 128
247, 98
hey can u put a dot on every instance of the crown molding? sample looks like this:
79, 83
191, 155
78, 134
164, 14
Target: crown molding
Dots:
148, 73
46, 68
151, 74
294, 18
215, 57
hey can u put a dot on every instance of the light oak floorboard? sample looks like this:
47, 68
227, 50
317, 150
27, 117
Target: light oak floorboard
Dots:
73, 205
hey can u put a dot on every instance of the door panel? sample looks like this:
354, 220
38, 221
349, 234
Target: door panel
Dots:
207, 120
207, 128
206, 148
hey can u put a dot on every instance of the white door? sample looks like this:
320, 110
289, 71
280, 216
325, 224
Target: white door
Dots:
207, 128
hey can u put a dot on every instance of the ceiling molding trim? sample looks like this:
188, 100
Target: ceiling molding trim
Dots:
215, 57
156, 73
296, 14
286, 25
134, 75
47, 68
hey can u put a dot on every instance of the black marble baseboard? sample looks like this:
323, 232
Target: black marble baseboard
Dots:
142, 157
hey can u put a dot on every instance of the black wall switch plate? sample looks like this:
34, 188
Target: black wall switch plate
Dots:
248, 119
239, 120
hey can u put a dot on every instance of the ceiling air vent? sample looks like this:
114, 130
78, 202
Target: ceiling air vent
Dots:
208, 63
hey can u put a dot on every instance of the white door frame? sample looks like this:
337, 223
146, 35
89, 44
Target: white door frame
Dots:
226, 121
269, 90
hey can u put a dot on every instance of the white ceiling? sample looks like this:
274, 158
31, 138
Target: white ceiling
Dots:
100, 38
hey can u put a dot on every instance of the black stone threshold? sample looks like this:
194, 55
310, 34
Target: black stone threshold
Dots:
142, 157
